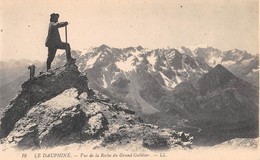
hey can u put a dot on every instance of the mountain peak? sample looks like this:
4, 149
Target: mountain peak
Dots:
220, 68
103, 47
217, 77
139, 48
221, 72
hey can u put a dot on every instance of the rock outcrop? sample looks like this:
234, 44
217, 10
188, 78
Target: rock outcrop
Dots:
40, 89
62, 110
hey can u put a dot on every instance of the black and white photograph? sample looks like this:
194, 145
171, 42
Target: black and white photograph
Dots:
129, 79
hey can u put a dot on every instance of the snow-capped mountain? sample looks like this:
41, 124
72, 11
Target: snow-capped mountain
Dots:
177, 87
173, 89
138, 75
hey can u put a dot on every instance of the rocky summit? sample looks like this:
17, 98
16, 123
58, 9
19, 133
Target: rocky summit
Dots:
40, 89
57, 109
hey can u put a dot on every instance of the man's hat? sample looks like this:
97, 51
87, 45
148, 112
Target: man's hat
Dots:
54, 15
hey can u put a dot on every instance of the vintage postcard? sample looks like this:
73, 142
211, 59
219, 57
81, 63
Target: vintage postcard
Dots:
129, 79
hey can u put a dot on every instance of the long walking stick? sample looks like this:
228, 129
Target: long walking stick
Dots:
66, 34
29, 88
68, 54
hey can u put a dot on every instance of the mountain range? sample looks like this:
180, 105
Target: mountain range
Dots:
207, 92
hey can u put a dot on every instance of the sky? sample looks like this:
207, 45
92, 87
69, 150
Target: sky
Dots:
223, 24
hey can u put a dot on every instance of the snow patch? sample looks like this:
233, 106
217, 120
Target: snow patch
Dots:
246, 62
178, 79
213, 61
180, 49
140, 59
228, 63
151, 69
115, 77
152, 59
126, 65
90, 62
169, 83
255, 70
170, 56
136, 53
182, 70
104, 81
202, 70
164, 68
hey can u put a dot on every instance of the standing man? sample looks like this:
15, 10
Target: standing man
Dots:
53, 40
